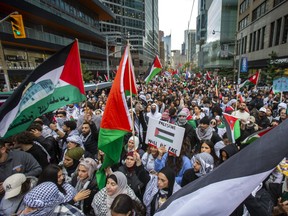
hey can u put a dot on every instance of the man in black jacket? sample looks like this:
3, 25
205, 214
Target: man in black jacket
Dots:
89, 138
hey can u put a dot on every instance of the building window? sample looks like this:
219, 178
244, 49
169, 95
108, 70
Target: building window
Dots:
285, 30
276, 2
258, 40
243, 6
259, 11
250, 42
262, 37
254, 41
278, 29
243, 23
271, 34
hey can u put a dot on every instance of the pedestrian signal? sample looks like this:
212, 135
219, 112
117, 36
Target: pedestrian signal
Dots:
17, 26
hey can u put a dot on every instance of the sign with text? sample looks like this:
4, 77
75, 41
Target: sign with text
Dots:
160, 133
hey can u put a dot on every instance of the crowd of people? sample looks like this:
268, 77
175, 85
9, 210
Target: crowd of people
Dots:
50, 169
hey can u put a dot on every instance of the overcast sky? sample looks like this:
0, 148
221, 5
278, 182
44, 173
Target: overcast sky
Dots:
173, 18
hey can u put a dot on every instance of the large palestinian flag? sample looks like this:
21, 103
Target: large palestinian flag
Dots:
116, 121
226, 187
53, 84
153, 70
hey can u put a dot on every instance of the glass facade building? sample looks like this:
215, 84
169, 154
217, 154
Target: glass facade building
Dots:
218, 52
138, 22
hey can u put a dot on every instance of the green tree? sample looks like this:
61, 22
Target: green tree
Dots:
86, 74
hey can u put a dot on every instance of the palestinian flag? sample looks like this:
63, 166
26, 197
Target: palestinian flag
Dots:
116, 121
255, 136
253, 80
53, 84
232, 127
164, 135
153, 70
221, 191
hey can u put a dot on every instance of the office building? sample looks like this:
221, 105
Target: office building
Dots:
138, 22
49, 26
263, 34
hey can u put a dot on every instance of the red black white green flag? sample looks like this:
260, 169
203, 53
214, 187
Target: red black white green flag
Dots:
154, 69
221, 191
116, 121
232, 127
53, 84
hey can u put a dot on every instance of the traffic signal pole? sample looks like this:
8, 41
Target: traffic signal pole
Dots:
2, 57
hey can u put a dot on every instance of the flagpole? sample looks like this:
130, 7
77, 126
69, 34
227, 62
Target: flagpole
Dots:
130, 86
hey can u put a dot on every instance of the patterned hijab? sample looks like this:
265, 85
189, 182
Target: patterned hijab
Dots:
45, 198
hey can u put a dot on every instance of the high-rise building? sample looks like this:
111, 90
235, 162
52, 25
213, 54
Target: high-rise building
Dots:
167, 48
137, 21
218, 51
190, 44
263, 33
49, 26
201, 28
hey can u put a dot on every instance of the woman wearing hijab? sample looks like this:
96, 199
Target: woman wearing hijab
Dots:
203, 164
54, 173
85, 185
137, 176
159, 189
116, 184
71, 160
46, 200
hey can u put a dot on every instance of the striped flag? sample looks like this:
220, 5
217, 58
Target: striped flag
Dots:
53, 84
253, 80
163, 134
255, 136
223, 190
153, 70
232, 127
116, 121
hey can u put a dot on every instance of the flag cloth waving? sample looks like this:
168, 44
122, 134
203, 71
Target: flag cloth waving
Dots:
53, 84
153, 70
253, 80
221, 191
251, 138
232, 127
116, 121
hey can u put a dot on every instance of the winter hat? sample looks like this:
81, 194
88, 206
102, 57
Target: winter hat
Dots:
90, 165
205, 120
165, 116
136, 142
75, 153
13, 184
182, 113
75, 139
186, 110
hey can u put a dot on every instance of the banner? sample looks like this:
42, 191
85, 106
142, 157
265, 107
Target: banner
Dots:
160, 133
280, 84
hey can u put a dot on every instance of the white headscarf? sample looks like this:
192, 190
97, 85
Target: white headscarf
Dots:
122, 187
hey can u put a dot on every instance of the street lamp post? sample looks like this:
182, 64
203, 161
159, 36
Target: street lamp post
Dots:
239, 63
107, 58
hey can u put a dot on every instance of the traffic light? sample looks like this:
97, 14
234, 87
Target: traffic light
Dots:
17, 26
